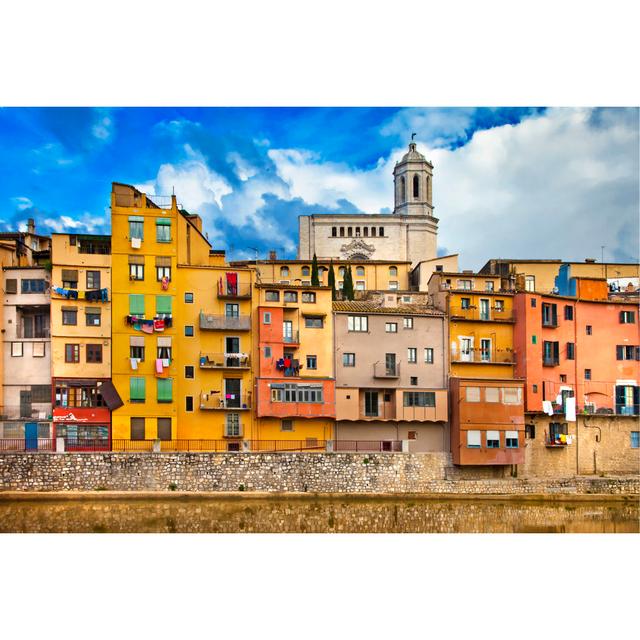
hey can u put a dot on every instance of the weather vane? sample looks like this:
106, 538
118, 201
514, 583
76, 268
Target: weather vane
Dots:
413, 135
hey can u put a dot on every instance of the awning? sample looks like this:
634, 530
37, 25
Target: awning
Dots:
136, 341
92, 310
110, 395
69, 308
136, 259
163, 261
164, 342
70, 274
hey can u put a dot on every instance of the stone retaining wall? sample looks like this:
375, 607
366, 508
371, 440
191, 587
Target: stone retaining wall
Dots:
296, 472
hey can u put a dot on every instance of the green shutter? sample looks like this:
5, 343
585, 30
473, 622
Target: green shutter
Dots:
534, 340
163, 221
164, 390
136, 304
137, 389
163, 304
136, 219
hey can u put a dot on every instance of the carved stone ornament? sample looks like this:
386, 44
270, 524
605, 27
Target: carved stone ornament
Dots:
357, 248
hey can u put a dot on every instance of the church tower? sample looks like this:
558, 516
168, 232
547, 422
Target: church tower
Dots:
413, 177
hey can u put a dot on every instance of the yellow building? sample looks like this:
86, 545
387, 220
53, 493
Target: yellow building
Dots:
367, 274
481, 322
81, 339
180, 329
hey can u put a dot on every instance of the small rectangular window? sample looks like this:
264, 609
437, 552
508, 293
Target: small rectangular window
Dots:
70, 317
72, 353
136, 304
568, 312
530, 431
286, 425
571, 350
136, 389
511, 395
473, 394
291, 296
136, 227
188, 403
492, 394
266, 317
428, 355
473, 439
188, 297
267, 352
414, 381
314, 322
189, 372
627, 317
188, 330
92, 319
587, 374
358, 323
93, 279
635, 439
163, 230
308, 296
94, 353
533, 303
511, 439
136, 271
272, 296
589, 329
137, 430
165, 389
164, 428
407, 323
534, 339
16, 349
391, 327
493, 439
312, 362
348, 359
38, 349
412, 355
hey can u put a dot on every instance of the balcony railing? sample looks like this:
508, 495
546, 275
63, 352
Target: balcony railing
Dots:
294, 338
390, 446
474, 313
239, 290
383, 370
224, 323
550, 362
225, 361
220, 401
483, 356
27, 445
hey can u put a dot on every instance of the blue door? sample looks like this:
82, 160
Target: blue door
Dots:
31, 436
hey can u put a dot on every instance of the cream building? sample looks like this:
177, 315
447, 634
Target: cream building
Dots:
409, 234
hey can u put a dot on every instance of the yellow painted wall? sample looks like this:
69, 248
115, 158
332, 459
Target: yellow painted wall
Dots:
319, 428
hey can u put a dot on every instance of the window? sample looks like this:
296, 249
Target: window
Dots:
163, 230
164, 428
266, 317
188, 297
16, 349
568, 312
465, 284
412, 435
627, 317
136, 352
334, 232
381, 231
589, 329
530, 284
188, 330
414, 381
473, 394
309, 393
635, 439
188, 403
371, 404
290, 296
34, 286
341, 272
530, 431
360, 285
163, 306
465, 303
393, 272
391, 327
137, 428
485, 350
93, 279
308, 296
313, 322
284, 272
473, 439
272, 296
499, 306
360, 272
419, 399
412, 355
571, 349
488, 285
136, 227
189, 372
373, 232
38, 349
393, 285
493, 439
136, 304
92, 317
428, 355
549, 315
407, 323
533, 303
349, 231
136, 271
348, 359
357, 323
534, 388
563, 377
626, 352
511, 439
267, 352
69, 316
341, 232
94, 353
511, 395
286, 425
534, 339
163, 272
312, 362
72, 353
416, 186
492, 394
164, 388
136, 389
550, 353
587, 374
163, 351
11, 285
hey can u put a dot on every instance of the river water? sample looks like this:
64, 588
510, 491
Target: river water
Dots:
316, 515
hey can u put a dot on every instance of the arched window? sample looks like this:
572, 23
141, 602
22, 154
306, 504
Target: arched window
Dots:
366, 231
381, 231
416, 186
393, 271
349, 231
321, 271
284, 272
360, 271
342, 232
357, 232
334, 231
342, 271
306, 271
427, 192
373, 231
403, 189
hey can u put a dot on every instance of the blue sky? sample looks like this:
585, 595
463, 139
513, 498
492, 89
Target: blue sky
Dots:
508, 182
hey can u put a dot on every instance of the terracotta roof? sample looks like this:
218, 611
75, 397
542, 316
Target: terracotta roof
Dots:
356, 306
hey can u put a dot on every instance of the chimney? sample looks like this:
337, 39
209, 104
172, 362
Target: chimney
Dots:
590, 260
273, 255
31, 226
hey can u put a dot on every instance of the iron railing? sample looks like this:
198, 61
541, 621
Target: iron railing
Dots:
489, 356
283, 446
213, 322
389, 446
225, 361
213, 401
294, 338
384, 370
493, 314
28, 445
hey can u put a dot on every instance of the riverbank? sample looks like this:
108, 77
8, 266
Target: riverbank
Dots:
286, 473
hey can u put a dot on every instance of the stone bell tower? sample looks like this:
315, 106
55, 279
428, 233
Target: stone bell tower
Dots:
413, 177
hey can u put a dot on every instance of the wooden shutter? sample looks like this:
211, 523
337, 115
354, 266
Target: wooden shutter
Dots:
137, 428
164, 428
11, 285
163, 304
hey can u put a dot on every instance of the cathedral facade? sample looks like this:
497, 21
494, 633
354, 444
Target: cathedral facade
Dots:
410, 233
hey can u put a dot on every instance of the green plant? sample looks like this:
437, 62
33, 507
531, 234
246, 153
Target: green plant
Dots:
347, 284
331, 280
241, 487
173, 486
366, 461
101, 488
315, 279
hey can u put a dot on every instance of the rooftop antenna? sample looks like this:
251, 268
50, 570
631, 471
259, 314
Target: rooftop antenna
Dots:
254, 249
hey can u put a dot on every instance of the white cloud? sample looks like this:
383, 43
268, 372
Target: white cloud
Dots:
87, 222
22, 202
242, 168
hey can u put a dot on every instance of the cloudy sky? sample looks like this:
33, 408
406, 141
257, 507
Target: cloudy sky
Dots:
508, 182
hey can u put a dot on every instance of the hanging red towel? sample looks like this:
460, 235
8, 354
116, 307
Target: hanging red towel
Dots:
287, 363
232, 282
158, 324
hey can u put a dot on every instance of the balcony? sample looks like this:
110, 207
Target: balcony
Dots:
483, 356
383, 370
550, 362
236, 361
212, 322
473, 313
217, 401
294, 338
229, 291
